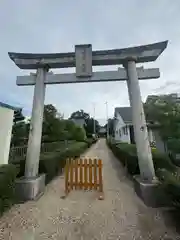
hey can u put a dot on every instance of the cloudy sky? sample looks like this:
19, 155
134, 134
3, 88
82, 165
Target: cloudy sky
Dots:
45, 26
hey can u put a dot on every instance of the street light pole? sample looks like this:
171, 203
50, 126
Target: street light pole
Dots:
94, 123
107, 119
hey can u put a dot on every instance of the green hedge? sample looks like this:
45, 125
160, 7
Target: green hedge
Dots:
53, 162
166, 171
89, 141
171, 184
8, 173
127, 154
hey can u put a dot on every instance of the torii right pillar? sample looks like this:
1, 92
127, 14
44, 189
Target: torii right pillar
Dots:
139, 123
146, 186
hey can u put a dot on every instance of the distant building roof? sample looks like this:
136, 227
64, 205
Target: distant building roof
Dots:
125, 113
4, 105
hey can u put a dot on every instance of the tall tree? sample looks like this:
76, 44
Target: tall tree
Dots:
110, 126
80, 114
165, 111
89, 121
18, 116
19, 129
90, 126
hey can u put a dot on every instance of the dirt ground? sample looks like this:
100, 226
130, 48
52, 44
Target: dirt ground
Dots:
121, 215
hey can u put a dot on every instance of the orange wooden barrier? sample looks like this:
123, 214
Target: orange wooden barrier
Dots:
84, 174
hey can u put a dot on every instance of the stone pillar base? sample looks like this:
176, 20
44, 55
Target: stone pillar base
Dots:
29, 188
152, 194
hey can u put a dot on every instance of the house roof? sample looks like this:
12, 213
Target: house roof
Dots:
5, 105
125, 113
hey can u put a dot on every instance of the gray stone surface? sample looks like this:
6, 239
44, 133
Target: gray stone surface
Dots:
29, 189
121, 215
152, 194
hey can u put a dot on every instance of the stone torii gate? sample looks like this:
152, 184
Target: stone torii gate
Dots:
83, 59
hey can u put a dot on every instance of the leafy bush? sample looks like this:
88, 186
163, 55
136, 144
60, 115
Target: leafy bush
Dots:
127, 154
171, 184
162, 161
53, 162
8, 173
79, 134
89, 141
166, 171
174, 145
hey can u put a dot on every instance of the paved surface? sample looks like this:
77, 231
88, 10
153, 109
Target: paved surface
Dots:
121, 215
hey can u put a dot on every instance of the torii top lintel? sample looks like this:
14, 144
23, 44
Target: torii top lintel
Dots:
143, 53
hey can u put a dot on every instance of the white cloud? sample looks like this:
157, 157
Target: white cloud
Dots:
44, 26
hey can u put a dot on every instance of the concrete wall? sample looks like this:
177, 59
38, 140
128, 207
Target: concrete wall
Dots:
6, 122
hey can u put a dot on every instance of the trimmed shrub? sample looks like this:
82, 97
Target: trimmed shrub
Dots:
166, 171
162, 161
8, 173
171, 185
89, 141
127, 154
53, 162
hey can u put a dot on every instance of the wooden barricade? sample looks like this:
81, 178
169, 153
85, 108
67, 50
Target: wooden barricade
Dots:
84, 174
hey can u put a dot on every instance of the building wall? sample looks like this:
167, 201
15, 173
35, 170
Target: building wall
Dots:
121, 130
6, 122
123, 135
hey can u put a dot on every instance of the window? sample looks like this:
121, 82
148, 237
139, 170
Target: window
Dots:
120, 132
125, 130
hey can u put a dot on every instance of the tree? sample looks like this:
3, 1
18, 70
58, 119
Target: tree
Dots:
20, 132
80, 114
55, 128
53, 124
110, 126
79, 134
19, 129
90, 126
165, 111
18, 116
89, 121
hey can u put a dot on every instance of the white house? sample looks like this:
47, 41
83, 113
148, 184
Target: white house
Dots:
6, 123
123, 127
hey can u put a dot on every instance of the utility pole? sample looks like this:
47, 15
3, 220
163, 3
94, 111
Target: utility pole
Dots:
107, 119
94, 122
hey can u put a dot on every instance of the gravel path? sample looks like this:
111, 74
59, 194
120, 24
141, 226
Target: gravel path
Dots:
121, 215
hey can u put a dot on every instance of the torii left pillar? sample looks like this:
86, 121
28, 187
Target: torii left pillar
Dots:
32, 185
35, 133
